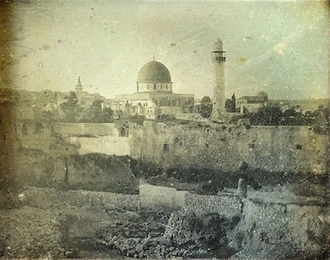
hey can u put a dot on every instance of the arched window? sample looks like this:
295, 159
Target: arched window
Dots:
122, 132
24, 130
166, 147
38, 128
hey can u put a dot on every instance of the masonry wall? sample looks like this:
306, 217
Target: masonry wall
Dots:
153, 197
110, 145
161, 197
101, 172
278, 231
43, 198
93, 129
227, 206
221, 147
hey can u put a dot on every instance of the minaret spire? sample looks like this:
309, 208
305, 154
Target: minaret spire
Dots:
79, 82
219, 60
79, 92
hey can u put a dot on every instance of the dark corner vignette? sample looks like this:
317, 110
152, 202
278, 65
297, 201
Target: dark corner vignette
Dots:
7, 106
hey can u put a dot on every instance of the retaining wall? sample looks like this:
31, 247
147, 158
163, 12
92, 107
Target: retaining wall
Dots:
227, 206
109, 145
51, 198
93, 129
279, 231
155, 197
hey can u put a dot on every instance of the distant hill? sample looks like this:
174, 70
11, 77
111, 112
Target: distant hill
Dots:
305, 103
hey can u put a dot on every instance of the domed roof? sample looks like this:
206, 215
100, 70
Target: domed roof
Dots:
263, 95
154, 71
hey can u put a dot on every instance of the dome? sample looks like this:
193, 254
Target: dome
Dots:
154, 71
263, 95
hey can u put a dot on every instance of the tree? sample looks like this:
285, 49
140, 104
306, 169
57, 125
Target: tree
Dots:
269, 115
230, 106
322, 120
70, 108
106, 115
98, 114
206, 100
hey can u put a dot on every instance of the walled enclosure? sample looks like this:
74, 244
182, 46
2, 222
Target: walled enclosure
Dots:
264, 228
224, 147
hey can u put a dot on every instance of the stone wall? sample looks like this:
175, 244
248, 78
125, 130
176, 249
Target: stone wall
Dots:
109, 145
225, 147
92, 129
101, 173
161, 197
227, 206
97, 172
51, 198
278, 231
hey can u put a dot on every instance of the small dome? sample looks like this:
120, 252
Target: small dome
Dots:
154, 71
263, 95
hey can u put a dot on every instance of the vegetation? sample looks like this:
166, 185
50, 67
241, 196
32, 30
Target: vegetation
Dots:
70, 111
230, 104
269, 115
273, 115
205, 108
70, 108
98, 114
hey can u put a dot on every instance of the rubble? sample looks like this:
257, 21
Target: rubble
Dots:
30, 232
150, 235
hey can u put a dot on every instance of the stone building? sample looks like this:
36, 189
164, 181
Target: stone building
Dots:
154, 96
83, 98
251, 104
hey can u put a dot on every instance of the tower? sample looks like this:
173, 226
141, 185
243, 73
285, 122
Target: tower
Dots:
79, 92
218, 60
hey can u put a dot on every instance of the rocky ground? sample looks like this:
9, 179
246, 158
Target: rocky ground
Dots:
49, 227
158, 235
30, 232
96, 232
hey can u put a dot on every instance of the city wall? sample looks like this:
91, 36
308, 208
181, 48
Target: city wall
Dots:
85, 129
225, 147
42, 155
110, 145
227, 206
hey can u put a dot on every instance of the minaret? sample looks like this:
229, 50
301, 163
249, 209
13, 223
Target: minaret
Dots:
79, 92
218, 59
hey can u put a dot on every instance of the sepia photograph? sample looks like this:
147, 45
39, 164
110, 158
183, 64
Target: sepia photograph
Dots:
194, 129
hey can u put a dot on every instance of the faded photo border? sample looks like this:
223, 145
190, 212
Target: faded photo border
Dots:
164, 129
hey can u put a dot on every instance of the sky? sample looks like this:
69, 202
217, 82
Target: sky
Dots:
280, 47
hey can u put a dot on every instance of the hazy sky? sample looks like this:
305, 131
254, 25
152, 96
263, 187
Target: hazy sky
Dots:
278, 47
